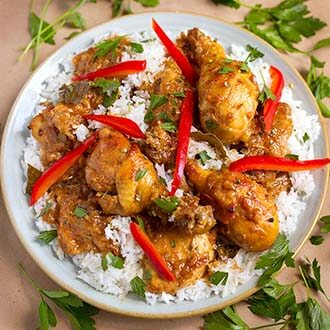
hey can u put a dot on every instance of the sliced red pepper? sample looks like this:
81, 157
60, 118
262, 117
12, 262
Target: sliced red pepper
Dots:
123, 125
149, 249
180, 59
271, 105
117, 70
185, 123
57, 170
276, 164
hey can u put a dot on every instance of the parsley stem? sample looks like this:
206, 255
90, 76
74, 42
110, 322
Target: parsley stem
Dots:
269, 325
23, 271
305, 281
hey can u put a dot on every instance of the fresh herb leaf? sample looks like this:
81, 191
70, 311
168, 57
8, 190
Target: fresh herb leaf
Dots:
179, 94
47, 236
226, 318
317, 240
173, 243
76, 21
254, 53
79, 212
226, 69
168, 204
203, 157
273, 260
168, 127
137, 48
219, 278
326, 224
244, 67
306, 137
141, 223
292, 156
230, 3
46, 36
138, 286
107, 100
322, 43
111, 259
140, 174
107, 46
266, 94
156, 101
72, 35
210, 124
116, 7
148, 3
78, 312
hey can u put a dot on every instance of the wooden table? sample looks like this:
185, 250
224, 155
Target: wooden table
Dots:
18, 300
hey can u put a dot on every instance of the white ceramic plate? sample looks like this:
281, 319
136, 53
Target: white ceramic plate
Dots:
13, 142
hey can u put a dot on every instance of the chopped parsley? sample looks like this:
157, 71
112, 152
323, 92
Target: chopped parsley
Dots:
137, 48
155, 102
141, 223
219, 278
211, 125
138, 286
111, 259
306, 137
107, 46
168, 204
292, 156
226, 69
47, 236
203, 157
168, 127
317, 240
179, 94
79, 212
140, 174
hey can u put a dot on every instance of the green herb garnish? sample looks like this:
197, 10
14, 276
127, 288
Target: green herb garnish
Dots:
107, 46
140, 174
179, 94
173, 243
326, 224
155, 102
226, 69
306, 137
168, 127
137, 48
219, 278
46, 209
78, 312
141, 223
203, 157
47, 236
111, 259
168, 204
292, 156
211, 125
79, 212
138, 286
317, 239
107, 85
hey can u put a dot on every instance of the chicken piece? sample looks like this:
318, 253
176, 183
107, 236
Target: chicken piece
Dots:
80, 234
105, 160
137, 185
161, 144
87, 61
246, 211
274, 142
228, 99
190, 217
52, 144
187, 256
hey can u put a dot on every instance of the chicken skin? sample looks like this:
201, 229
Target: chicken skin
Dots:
227, 95
243, 207
137, 185
105, 160
187, 256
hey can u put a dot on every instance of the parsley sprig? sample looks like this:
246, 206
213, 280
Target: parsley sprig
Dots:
43, 32
119, 7
77, 312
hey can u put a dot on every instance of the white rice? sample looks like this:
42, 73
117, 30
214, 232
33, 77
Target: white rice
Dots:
241, 268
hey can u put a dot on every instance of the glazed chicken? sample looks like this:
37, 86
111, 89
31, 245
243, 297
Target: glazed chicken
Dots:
137, 185
227, 95
160, 143
247, 215
187, 256
274, 142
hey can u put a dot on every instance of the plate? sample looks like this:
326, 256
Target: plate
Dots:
16, 132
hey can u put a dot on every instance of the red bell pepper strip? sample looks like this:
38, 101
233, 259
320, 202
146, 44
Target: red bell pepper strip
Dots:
57, 170
185, 123
276, 164
117, 70
180, 59
149, 249
123, 125
270, 105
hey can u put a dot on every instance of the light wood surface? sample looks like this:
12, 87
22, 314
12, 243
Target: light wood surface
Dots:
18, 301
